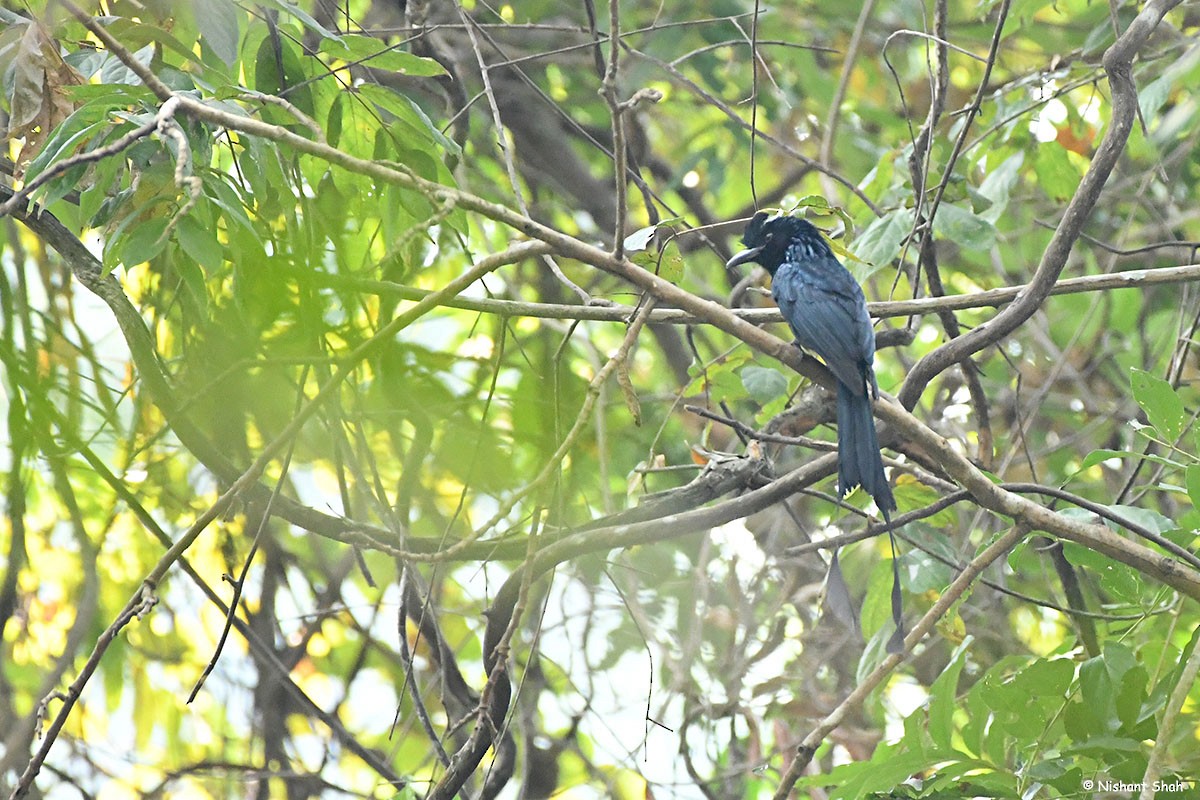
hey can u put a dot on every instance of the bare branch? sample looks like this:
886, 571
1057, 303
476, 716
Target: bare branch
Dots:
991, 298
1118, 61
808, 747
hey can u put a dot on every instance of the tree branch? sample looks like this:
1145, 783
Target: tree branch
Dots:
1118, 61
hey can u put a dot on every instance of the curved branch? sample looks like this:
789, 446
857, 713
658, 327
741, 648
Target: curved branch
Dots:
1118, 61
808, 747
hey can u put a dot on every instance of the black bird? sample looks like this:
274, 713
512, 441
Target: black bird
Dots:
827, 312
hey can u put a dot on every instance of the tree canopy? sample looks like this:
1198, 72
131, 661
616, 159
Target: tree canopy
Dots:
380, 418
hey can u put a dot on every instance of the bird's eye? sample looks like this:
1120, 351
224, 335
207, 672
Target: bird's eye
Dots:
769, 237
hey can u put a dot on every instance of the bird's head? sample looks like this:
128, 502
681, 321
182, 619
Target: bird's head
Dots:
767, 239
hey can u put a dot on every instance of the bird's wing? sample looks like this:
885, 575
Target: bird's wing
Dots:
825, 308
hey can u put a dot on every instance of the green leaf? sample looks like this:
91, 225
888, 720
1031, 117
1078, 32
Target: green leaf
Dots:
1056, 175
764, 383
1154, 95
193, 279
814, 201
663, 260
144, 241
643, 259
61, 185
1082, 556
76, 129
1146, 517
305, 19
218, 24
116, 72
723, 385
291, 82
151, 39
411, 118
879, 245
1123, 583
881, 774
924, 573
1100, 456
1192, 481
226, 198
822, 207
337, 113
943, 697
670, 265
639, 239
372, 52
1161, 403
100, 187
1131, 695
876, 615
964, 228
998, 185
200, 243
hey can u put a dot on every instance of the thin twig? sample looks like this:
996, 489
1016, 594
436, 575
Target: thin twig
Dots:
1118, 60
991, 298
936, 39
839, 94
240, 583
968, 117
808, 747
1162, 739
736, 118
497, 122
608, 89
165, 112
289, 107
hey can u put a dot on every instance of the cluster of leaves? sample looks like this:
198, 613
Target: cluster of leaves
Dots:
1025, 725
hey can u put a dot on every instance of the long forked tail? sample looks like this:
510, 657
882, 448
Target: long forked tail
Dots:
860, 464
859, 461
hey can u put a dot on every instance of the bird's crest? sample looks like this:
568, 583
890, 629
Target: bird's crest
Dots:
772, 239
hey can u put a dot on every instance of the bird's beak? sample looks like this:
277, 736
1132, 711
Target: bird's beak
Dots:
743, 257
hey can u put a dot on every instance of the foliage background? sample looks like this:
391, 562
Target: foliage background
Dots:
342, 335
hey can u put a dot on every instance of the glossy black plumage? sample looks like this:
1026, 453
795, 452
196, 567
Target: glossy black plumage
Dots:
827, 312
